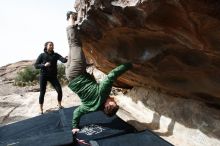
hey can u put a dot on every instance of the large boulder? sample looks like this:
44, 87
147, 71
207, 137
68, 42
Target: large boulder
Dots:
174, 45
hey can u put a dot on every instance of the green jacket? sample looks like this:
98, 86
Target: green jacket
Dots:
88, 90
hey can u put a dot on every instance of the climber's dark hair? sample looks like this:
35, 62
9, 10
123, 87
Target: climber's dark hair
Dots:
111, 111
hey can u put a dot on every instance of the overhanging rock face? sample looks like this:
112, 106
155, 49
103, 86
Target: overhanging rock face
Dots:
174, 45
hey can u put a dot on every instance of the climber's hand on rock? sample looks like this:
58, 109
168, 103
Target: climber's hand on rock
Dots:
75, 130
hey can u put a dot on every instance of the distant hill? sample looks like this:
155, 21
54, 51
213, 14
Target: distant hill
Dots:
8, 72
7, 76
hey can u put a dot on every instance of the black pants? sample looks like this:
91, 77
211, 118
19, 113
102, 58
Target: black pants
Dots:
43, 84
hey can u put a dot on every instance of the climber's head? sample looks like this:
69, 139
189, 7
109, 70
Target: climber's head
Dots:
110, 107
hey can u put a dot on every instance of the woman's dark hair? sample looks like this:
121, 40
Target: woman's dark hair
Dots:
45, 45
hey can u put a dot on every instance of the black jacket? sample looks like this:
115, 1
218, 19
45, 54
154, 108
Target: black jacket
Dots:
52, 58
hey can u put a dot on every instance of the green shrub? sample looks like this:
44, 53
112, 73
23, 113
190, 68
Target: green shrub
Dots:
27, 76
61, 74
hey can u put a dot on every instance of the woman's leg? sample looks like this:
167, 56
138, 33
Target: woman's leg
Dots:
43, 85
56, 84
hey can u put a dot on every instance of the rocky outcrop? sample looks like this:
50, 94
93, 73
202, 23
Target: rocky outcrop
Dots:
9, 72
181, 121
20, 103
174, 44
7, 75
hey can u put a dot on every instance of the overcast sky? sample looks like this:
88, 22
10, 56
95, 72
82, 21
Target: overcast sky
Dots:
25, 25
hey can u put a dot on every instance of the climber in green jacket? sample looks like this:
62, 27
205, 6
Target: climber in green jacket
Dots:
94, 96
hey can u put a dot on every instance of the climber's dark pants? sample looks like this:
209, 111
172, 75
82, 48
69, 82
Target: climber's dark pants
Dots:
76, 64
43, 84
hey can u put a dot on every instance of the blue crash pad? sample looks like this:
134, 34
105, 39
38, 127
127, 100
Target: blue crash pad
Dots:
54, 128
144, 138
